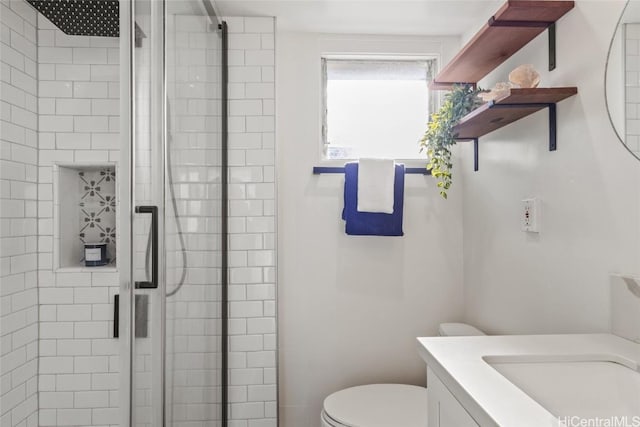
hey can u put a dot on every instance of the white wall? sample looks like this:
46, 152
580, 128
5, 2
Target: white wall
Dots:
351, 307
18, 216
556, 281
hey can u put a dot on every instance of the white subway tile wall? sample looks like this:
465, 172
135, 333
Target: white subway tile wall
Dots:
632, 87
252, 252
78, 123
18, 215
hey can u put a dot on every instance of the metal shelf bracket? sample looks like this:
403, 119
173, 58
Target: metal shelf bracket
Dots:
551, 29
553, 129
476, 165
552, 46
553, 133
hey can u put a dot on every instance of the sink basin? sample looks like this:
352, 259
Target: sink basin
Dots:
589, 387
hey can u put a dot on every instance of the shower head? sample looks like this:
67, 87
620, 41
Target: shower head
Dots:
85, 17
82, 17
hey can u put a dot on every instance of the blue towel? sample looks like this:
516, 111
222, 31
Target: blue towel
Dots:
369, 223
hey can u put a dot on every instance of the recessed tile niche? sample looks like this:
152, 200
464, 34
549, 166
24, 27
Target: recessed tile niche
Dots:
85, 212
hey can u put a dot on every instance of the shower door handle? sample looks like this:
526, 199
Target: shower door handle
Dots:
153, 284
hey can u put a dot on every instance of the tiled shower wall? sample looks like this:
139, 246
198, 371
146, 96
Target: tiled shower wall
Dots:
18, 216
78, 124
632, 86
252, 256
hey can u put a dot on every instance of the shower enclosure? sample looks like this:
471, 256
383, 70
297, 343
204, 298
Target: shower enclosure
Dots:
113, 213
173, 214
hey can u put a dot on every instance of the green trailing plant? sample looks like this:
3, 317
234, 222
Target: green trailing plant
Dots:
439, 137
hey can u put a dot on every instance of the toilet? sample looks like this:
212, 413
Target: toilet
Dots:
384, 405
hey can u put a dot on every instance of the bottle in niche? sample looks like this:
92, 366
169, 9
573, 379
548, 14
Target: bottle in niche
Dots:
95, 254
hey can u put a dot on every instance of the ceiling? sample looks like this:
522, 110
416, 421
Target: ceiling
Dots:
418, 17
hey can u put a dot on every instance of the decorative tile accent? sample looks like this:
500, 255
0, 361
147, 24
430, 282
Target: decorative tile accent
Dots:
98, 208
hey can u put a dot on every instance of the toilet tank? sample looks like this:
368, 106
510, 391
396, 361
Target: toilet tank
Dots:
458, 330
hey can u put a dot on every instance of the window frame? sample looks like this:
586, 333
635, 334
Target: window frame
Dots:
433, 61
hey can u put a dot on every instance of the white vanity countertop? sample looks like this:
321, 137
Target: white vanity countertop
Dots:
490, 398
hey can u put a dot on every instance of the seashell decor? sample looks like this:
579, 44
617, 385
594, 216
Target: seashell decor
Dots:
525, 76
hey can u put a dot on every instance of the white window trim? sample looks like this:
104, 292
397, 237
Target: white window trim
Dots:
433, 103
440, 48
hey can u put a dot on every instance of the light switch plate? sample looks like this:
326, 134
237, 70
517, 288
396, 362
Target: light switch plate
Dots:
530, 215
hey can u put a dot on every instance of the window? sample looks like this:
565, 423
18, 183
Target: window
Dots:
375, 107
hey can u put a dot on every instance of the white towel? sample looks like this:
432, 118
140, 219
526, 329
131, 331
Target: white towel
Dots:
376, 179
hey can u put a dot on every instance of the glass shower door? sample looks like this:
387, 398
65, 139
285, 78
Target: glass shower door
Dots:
194, 226
176, 235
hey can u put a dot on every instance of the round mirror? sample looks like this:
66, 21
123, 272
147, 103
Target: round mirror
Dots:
622, 78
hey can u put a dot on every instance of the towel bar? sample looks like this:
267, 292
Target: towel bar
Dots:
318, 170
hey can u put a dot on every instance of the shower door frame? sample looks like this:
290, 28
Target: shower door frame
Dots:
127, 203
125, 207
157, 114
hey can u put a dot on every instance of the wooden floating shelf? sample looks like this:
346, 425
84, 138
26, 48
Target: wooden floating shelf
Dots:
518, 103
512, 27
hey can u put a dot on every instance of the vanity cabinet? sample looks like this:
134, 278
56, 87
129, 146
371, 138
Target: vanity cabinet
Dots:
444, 409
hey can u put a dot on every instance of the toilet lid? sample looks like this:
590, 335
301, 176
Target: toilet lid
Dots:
379, 405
